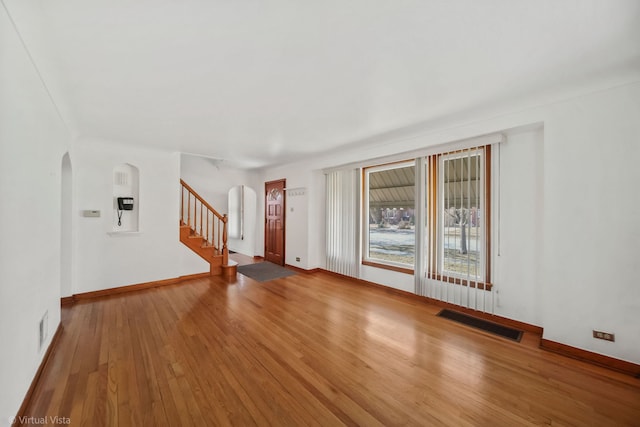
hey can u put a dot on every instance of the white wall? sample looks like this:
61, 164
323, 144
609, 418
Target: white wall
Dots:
518, 232
190, 263
568, 262
297, 224
104, 259
591, 222
317, 220
32, 142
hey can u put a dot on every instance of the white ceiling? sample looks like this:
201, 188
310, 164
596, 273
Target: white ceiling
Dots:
263, 82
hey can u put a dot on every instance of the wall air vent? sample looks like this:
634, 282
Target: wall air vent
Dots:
121, 178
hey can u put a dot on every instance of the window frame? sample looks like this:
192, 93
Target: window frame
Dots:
366, 259
435, 206
430, 215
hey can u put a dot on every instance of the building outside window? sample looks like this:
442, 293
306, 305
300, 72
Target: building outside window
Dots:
390, 211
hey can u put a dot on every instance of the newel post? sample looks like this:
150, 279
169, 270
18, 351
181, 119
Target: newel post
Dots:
225, 250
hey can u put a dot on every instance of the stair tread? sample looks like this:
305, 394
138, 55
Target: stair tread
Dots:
200, 244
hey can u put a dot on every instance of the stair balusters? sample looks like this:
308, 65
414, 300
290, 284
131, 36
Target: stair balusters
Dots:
205, 221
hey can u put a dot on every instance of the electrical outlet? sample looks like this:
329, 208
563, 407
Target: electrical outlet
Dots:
298, 258
607, 336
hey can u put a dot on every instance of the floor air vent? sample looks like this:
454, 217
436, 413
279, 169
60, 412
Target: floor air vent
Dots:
485, 325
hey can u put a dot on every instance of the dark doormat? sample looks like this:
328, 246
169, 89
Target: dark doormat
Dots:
485, 325
264, 271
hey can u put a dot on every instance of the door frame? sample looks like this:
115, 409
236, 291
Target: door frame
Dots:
284, 217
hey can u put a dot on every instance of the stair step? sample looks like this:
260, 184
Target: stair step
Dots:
200, 244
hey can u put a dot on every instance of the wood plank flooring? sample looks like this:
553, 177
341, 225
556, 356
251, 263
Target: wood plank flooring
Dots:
309, 349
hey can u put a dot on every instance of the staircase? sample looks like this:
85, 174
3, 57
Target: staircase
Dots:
204, 231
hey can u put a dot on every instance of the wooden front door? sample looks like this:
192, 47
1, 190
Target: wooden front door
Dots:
274, 222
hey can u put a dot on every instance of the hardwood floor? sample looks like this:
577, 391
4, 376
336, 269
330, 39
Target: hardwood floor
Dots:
308, 350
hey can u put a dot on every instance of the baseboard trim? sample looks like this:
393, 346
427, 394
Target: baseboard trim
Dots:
601, 360
373, 284
302, 270
137, 287
504, 321
597, 359
608, 362
34, 383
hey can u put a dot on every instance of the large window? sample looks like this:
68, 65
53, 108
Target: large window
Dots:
453, 222
389, 238
458, 216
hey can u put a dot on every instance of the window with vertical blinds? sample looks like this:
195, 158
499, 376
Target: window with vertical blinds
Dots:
425, 212
342, 222
457, 221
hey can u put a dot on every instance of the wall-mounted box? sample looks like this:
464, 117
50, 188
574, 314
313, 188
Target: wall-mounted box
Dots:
91, 213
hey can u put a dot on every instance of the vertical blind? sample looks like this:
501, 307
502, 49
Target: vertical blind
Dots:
455, 253
453, 210
342, 222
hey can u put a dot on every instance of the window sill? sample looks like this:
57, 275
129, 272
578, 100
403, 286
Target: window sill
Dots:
388, 267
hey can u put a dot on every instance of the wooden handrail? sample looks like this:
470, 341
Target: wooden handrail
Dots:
203, 201
200, 223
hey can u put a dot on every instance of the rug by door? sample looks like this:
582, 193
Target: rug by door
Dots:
264, 271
